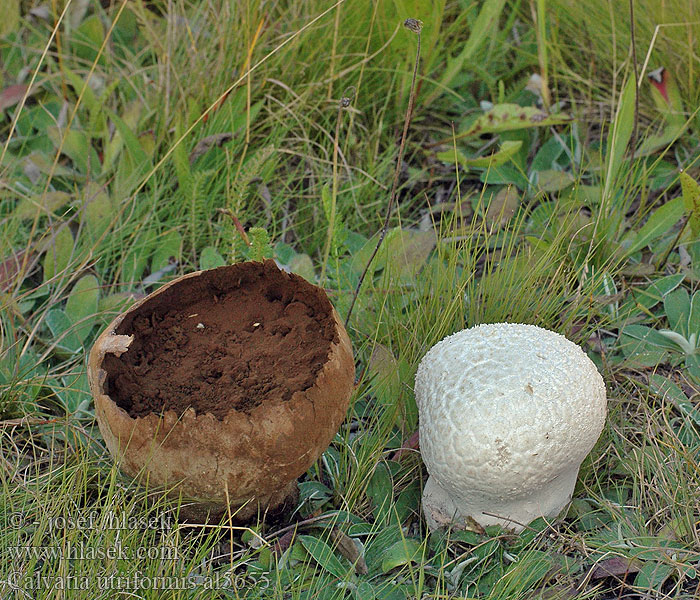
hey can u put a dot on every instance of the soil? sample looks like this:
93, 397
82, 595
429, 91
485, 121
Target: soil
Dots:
227, 340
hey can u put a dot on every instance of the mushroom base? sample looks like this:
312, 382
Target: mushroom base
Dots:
441, 509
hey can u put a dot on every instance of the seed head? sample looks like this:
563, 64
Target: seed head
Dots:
414, 25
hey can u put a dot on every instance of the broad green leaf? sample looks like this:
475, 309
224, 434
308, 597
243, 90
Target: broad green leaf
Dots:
509, 117
130, 118
692, 363
384, 368
97, 210
655, 293
401, 553
365, 591
81, 88
668, 390
380, 491
63, 331
324, 556
619, 135
645, 346
58, 253
88, 38
507, 150
209, 258
9, 9
502, 206
136, 152
652, 575
691, 201
44, 204
677, 309
694, 316
301, 264
552, 180
81, 307
659, 223
168, 246
402, 254
77, 147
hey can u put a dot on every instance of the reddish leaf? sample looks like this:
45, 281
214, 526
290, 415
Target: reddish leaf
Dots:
10, 268
412, 443
617, 566
12, 94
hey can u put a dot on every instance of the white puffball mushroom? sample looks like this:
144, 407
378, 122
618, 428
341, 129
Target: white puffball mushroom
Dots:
507, 414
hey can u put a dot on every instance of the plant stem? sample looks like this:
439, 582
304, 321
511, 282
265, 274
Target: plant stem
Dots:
415, 26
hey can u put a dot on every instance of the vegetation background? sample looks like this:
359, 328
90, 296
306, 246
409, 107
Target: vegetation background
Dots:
549, 177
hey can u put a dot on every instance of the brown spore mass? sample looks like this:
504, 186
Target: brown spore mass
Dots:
227, 340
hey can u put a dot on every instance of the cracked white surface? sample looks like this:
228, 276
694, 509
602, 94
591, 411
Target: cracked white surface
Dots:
507, 414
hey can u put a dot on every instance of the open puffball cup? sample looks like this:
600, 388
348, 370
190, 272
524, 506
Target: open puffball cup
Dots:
247, 459
507, 414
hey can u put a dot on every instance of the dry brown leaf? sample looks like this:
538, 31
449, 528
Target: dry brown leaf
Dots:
205, 144
617, 566
12, 94
347, 548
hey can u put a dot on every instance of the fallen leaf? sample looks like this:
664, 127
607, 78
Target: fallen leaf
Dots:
347, 548
617, 566
503, 206
412, 443
10, 269
12, 94
205, 144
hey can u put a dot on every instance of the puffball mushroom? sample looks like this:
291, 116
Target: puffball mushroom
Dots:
507, 414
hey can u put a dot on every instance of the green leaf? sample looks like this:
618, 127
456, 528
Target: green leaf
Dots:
384, 369
644, 346
209, 258
97, 211
62, 329
324, 556
668, 390
510, 117
694, 316
659, 223
652, 575
168, 246
677, 309
485, 24
133, 147
9, 9
619, 135
88, 38
690, 191
401, 553
365, 591
503, 155
58, 253
301, 264
76, 146
81, 307
380, 491
44, 204
655, 293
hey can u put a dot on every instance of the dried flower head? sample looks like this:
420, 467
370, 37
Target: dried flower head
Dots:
414, 25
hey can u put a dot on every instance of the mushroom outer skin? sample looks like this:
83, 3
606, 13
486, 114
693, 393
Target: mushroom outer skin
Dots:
507, 414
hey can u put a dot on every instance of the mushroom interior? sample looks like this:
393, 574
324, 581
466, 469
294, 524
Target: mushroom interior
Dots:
228, 339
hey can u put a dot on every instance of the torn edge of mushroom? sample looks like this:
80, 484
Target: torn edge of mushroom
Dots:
115, 344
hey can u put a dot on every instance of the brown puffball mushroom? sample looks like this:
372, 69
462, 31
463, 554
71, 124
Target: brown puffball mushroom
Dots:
271, 393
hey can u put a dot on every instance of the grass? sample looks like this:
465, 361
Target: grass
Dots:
111, 184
